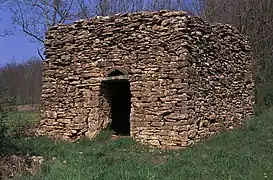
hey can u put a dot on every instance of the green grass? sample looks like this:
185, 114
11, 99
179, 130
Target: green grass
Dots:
16, 124
19, 121
241, 154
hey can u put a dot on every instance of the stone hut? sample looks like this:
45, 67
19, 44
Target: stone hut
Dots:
165, 78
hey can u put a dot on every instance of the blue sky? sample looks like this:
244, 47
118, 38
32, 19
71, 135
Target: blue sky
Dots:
15, 47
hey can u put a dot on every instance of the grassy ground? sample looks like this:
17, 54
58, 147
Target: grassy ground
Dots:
13, 128
244, 154
18, 122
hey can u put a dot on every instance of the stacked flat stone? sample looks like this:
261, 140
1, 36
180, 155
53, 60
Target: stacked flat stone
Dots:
189, 79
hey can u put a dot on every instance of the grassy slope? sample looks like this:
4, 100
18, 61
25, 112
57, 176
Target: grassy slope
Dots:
244, 154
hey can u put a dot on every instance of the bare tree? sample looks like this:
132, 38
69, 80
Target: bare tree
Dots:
34, 17
2, 3
5, 32
23, 81
252, 17
107, 7
255, 19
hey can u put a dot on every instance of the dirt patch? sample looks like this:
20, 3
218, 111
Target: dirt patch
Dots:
16, 165
116, 136
29, 107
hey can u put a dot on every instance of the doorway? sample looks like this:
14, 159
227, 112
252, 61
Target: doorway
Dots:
118, 96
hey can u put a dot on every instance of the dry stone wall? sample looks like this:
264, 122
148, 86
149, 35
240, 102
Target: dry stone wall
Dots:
221, 84
188, 79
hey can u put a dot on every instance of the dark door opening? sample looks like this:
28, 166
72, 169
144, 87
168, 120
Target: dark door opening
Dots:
119, 98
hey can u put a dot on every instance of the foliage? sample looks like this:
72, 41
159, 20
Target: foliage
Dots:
5, 103
13, 124
264, 97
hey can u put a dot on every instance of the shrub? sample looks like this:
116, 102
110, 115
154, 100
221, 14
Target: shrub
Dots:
5, 103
